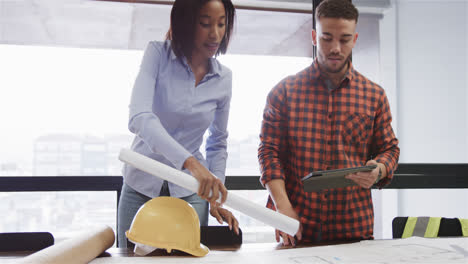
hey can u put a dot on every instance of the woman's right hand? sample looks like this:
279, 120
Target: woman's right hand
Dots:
207, 181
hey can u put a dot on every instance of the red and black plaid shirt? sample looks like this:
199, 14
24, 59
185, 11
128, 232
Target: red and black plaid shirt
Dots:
307, 127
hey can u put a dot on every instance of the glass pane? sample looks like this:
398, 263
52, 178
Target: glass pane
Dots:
71, 118
67, 107
63, 214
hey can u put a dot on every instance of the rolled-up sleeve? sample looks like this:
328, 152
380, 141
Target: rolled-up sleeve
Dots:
384, 143
272, 135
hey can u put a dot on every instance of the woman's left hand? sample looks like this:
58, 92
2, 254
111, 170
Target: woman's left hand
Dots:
223, 214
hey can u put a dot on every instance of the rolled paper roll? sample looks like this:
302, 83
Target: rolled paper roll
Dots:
272, 218
80, 249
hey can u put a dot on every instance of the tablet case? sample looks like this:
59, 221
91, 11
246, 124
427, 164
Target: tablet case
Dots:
330, 179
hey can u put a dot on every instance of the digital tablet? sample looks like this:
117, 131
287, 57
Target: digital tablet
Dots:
319, 180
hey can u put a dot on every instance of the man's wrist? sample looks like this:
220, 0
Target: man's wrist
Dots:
283, 204
379, 176
278, 193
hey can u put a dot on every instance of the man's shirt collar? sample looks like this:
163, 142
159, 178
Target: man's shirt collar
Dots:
316, 73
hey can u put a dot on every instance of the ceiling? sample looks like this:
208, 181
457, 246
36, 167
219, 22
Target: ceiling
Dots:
121, 25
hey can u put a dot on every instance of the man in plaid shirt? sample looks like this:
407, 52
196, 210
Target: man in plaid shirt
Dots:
327, 116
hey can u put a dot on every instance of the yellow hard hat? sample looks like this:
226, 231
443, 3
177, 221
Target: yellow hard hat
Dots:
169, 223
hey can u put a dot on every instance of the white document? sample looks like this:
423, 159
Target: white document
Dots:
409, 250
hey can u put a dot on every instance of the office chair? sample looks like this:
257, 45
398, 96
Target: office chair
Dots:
403, 227
25, 241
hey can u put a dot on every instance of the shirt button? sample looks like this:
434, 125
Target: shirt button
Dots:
329, 142
329, 116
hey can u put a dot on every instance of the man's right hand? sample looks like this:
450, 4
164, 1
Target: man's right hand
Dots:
288, 239
277, 191
207, 181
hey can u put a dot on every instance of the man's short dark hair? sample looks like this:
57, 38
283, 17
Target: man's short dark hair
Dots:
337, 9
183, 22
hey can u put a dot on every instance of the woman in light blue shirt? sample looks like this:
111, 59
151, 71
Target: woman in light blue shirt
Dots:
181, 92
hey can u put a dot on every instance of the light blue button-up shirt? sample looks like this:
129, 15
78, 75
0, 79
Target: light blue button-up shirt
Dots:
169, 116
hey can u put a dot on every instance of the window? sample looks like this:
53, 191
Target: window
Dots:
66, 84
69, 89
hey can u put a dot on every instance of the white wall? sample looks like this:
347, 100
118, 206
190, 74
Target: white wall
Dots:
432, 40
423, 57
432, 86
366, 52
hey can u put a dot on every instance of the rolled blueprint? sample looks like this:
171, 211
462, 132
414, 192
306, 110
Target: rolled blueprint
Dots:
272, 218
76, 250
